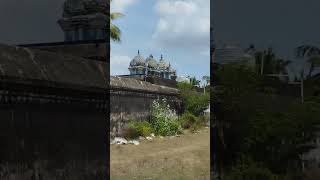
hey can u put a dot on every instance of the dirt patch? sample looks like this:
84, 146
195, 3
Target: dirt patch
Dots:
185, 157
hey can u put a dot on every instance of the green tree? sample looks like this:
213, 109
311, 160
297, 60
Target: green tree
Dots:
193, 101
232, 106
206, 79
115, 32
194, 81
273, 130
268, 63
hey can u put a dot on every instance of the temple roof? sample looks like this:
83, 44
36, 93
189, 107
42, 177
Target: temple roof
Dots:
138, 85
31, 66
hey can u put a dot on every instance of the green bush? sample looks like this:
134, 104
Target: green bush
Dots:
166, 127
164, 121
193, 101
187, 120
190, 121
143, 128
197, 103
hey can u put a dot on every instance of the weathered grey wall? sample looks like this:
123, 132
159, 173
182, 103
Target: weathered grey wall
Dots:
52, 116
131, 99
52, 141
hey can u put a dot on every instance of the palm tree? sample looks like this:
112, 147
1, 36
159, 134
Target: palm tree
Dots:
115, 32
313, 61
310, 54
269, 63
194, 81
306, 52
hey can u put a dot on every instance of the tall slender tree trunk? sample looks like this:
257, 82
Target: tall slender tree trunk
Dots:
262, 64
311, 69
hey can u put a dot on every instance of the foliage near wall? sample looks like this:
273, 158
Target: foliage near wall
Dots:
193, 101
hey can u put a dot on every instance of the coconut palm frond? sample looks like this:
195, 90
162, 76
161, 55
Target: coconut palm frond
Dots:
307, 51
115, 33
116, 15
315, 60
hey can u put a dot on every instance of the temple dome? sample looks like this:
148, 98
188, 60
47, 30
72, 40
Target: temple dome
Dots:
138, 61
151, 62
163, 64
171, 69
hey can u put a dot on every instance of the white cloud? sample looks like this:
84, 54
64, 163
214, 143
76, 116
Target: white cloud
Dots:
121, 5
119, 64
183, 24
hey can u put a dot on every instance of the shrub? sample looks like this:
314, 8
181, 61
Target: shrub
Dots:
130, 133
203, 120
164, 121
187, 120
190, 121
143, 128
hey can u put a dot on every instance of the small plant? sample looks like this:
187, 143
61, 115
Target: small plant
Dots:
164, 121
143, 128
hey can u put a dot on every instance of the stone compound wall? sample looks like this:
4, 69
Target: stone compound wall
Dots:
131, 99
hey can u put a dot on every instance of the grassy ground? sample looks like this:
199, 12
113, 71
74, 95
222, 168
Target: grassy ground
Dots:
185, 157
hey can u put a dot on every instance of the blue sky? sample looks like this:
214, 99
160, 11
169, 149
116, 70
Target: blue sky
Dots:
178, 29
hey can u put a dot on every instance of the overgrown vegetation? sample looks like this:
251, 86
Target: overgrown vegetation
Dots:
164, 121
136, 129
194, 102
273, 131
192, 122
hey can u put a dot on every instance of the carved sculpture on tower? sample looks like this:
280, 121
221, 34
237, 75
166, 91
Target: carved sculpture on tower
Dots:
85, 19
